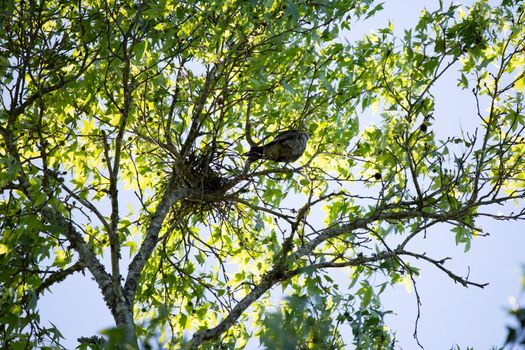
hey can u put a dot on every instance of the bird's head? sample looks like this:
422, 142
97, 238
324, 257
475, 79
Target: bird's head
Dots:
304, 135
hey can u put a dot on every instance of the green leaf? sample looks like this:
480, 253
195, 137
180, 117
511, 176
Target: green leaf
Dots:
4, 249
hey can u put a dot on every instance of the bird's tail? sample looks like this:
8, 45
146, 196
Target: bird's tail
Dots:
256, 153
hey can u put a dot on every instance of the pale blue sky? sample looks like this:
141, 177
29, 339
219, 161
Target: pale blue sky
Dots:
451, 314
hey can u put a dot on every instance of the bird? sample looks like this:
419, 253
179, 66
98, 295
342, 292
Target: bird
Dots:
287, 146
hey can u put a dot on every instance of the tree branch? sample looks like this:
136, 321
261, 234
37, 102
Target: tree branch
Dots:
59, 276
170, 197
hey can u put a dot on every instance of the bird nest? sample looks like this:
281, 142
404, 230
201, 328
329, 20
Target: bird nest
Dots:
202, 175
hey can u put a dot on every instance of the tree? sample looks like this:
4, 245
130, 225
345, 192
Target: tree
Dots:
123, 128
516, 330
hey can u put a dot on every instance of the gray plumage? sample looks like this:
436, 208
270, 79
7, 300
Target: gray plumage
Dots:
286, 147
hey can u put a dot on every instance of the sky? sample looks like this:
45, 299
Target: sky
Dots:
450, 314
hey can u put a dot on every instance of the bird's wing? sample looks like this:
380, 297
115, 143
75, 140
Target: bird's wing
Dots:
285, 135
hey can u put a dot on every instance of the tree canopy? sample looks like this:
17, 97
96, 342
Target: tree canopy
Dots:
123, 132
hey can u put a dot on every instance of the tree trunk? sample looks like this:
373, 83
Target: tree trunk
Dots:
124, 320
